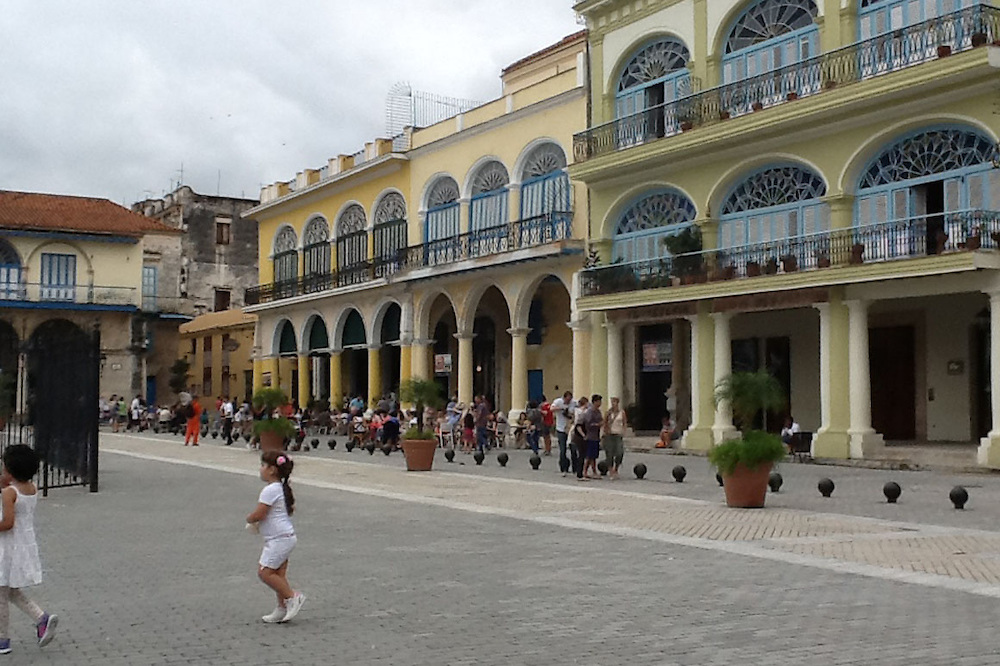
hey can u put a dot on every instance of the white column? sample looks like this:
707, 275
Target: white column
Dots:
825, 398
518, 369
988, 455
465, 367
616, 370
859, 377
722, 428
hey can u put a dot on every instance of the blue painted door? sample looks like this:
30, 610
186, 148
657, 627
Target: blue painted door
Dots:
535, 385
150, 390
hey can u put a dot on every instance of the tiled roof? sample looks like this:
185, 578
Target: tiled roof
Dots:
31, 211
537, 55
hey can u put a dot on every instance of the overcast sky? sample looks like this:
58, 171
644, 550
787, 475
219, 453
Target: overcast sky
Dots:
109, 98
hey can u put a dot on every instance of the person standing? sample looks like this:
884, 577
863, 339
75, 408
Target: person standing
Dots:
227, 420
562, 409
193, 414
482, 423
548, 420
615, 423
593, 421
135, 413
579, 438
534, 425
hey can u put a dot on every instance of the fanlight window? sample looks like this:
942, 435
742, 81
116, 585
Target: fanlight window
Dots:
444, 192
285, 241
544, 183
643, 226
316, 253
490, 178
286, 256
773, 204
770, 34
392, 208
877, 17
10, 272
352, 237
390, 227
655, 75
442, 210
927, 153
488, 208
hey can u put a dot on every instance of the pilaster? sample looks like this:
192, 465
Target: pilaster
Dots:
699, 436
336, 380
988, 454
305, 385
374, 374
581, 355
518, 368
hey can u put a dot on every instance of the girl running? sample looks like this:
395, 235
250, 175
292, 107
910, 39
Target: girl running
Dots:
271, 519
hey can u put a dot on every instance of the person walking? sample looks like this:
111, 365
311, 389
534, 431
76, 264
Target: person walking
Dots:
534, 425
593, 422
579, 438
548, 421
19, 563
562, 409
192, 413
227, 420
272, 520
615, 423
482, 421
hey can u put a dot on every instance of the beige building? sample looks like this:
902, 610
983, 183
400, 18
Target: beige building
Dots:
219, 348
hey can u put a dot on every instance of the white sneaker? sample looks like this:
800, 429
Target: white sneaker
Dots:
293, 606
275, 616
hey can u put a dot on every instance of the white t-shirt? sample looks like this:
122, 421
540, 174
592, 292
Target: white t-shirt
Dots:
276, 523
559, 408
227, 410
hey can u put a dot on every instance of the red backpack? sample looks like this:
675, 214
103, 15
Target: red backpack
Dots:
547, 417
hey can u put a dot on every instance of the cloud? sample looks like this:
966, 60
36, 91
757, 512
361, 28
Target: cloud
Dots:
111, 98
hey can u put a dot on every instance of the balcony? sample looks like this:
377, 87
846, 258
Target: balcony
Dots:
924, 236
495, 241
34, 294
886, 53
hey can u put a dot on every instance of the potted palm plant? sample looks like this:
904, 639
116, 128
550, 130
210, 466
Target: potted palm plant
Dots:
745, 464
417, 443
272, 430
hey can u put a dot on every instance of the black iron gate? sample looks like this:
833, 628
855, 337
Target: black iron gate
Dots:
55, 400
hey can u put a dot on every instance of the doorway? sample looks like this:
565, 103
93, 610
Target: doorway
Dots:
892, 364
928, 199
655, 376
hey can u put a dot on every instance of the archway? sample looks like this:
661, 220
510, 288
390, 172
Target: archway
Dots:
9, 343
354, 358
287, 351
543, 308
389, 351
491, 347
444, 349
317, 345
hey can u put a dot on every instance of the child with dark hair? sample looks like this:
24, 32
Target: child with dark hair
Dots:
272, 520
19, 563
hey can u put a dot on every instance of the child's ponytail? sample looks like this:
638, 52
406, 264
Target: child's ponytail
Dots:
284, 464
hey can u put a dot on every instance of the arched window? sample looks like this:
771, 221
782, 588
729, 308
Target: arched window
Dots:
544, 182
352, 245
10, 273
772, 204
316, 250
656, 74
933, 179
442, 210
286, 262
878, 17
489, 197
390, 232
768, 35
646, 222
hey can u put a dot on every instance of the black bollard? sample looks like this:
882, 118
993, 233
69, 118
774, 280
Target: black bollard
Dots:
502, 458
718, 477
314, 442
370, 448
679, 473
602, 467
449, 455
892, 491
775, 481
332, 443
350, 445
479, 457
959, 496
826, 487
387, 449
639, 470
535, 461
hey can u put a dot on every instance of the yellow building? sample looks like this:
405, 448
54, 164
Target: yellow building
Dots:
70, 264
219, 348
447, 252
807, 187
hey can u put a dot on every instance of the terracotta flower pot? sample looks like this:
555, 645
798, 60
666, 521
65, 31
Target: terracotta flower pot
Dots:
943, 51
756, 106
979, 38
419, 454
746, 488
753, 269
973, 242
792, 96
271, 441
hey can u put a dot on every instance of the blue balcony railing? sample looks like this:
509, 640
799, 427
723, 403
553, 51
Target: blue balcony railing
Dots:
919, 43
885, 241
531, 232
81, 294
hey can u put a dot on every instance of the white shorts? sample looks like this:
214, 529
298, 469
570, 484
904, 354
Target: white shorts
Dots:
276, 551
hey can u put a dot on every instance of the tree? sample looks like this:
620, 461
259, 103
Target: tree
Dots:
422, 393
179, 375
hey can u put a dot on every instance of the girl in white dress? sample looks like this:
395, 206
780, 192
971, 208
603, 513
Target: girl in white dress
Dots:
271, 519
19, 564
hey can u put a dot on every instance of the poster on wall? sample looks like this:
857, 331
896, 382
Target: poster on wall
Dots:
266, 379
442, 364
657, 356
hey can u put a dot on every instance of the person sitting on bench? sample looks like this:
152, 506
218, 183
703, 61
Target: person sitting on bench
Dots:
789, 433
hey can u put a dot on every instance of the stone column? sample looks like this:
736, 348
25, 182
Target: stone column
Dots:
862, 434
518, 368
989, 455
722, 427
271, 365
598, 355
258, 374
616, 370
405, 361
581, 355
336, 381
420, 352
465, 367
305, 385
832, 439
374, 374
699, 436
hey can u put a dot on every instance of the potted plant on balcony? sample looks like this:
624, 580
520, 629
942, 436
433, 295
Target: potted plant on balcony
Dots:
418, 444
974, 240
685, 246
771, 266
272, 428
857, 254
745, 463
789, 263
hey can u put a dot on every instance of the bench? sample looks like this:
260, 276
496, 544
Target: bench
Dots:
800, 446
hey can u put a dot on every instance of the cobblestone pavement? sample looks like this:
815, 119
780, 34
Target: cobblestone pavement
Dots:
491, 565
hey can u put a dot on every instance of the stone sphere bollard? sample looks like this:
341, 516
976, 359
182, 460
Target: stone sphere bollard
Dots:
156, 430
959, 496
718, 477
679, 473
479, 457
502, 458
332, 443
314, 443
774, 481
535, 461
639, 470
370, 448
602, 467
246, 437
350, 445
449, 455
826, 487
387, 449
892, 491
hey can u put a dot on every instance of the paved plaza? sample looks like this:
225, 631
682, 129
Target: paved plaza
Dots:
491, 565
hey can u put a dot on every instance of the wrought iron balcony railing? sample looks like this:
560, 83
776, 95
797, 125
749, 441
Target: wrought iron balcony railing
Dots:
885, 241
80, 294
527, 233
889, 52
